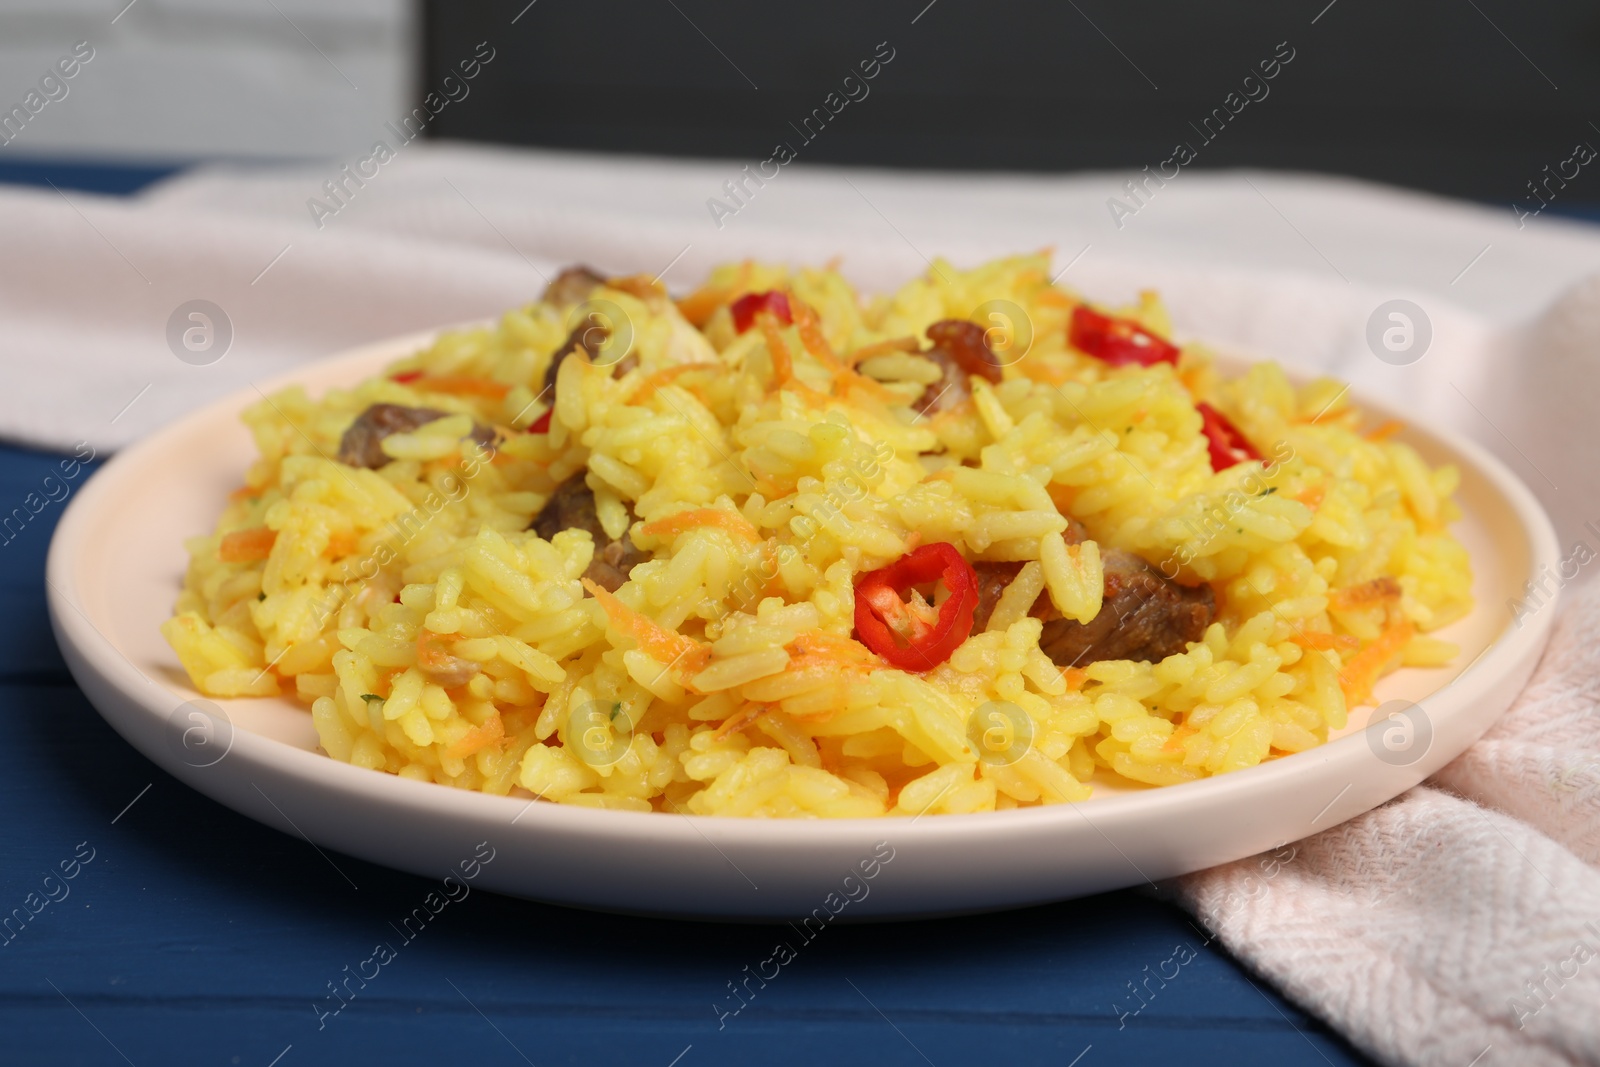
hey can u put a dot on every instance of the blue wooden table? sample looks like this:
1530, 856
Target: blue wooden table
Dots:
189, 934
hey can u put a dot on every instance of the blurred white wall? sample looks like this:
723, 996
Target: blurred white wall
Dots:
176, 80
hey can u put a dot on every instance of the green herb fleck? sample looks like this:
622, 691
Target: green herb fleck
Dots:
261, 596
371, 697
616, 709
1268, 491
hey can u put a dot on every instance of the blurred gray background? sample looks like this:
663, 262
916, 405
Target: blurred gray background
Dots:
181, 80
1471, 98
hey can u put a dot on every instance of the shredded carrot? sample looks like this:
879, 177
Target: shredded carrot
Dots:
343, 543
820, 646
771, 489
700, 305
1175, 742
247, 546
852, 382
640, 285
808, 326
1321, 641
769, 554
825, 639
1312, 497
1193, 378
667, 376
823, 668
1378, 591
782, 362
1063, 496
1385, 431
244, 492
457, 385
492, 732
1039, 372
433, 652
675, 524
748, 712
882, 348
662, 645
783, 376
1075, 677
1362, 670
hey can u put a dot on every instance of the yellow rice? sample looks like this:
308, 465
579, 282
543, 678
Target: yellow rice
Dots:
836, 478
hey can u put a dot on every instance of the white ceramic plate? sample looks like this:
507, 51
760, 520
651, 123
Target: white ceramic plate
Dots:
116, 565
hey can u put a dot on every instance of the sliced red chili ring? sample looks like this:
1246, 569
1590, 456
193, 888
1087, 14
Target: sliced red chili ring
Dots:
1228, 446
745, 308
542, 423
881, 604
1118, 342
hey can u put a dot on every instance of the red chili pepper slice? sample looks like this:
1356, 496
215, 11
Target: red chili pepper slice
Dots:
745, 308
1228, 446
405, 376
1118, 342
895, 630
542, 423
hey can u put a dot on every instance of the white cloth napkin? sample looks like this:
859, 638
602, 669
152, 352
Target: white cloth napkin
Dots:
1460, 923
1412, 929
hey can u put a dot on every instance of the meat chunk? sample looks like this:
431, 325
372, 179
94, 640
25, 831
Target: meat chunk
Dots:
992, 581
960, 348
362, 443
950, 391
573, 285
572, 507
440, 666
993, 578
587, 337
1144, 616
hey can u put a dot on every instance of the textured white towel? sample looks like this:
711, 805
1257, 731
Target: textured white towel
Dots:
1459, 923
1414, 929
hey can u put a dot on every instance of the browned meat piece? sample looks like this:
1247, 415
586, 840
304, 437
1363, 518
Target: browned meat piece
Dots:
960, 348
450, 672
573, 285
587, 338
362, 443
968, 344
994, 577
572, 507
613, 563
992, 581
1144, 616
950, 391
